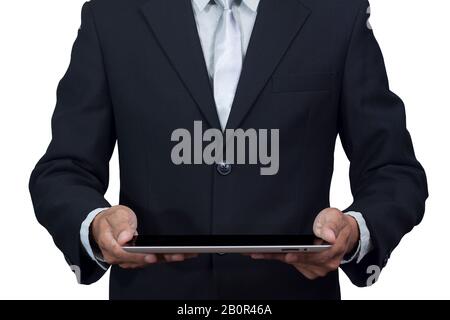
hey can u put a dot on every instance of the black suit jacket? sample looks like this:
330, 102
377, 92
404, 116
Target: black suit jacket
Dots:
313, 69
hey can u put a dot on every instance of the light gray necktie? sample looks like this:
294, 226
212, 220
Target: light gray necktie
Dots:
227, 61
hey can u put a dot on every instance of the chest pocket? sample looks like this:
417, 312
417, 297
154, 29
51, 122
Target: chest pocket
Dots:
310, 82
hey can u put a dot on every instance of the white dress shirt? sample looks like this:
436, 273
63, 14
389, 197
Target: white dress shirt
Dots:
207, 15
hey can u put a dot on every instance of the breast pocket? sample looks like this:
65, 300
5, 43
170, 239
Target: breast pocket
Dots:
313, 82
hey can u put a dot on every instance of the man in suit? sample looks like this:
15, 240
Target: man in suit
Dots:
142, 69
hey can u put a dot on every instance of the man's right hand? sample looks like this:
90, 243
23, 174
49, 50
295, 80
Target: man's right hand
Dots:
113, 228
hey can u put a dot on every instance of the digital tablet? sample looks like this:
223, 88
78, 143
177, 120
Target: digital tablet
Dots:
226, 244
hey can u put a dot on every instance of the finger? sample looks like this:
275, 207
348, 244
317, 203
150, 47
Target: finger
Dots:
132, 266
306, 272
308, 258
303, 257
319, 271
268, 256
313, 272
177, 257
166, 257
138, 259
117, 255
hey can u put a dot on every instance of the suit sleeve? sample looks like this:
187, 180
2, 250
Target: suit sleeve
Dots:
388, 184
71, 178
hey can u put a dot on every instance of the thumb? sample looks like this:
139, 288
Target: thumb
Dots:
124, 224
125, 236
326, 224
327, 234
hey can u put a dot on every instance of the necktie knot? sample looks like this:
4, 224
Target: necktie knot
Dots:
225, 4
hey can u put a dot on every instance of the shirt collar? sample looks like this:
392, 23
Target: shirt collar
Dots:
201, 4
251, 4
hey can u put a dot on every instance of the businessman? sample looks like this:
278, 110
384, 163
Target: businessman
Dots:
311, 70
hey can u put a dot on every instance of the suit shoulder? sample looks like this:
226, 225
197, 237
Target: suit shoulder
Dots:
341, 13
101, 6
339, 6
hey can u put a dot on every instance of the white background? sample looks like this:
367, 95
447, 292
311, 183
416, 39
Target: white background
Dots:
35, 42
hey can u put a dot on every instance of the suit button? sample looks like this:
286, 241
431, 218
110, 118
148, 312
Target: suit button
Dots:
224, 169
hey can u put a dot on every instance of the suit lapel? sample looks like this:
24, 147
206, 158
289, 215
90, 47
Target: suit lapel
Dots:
173, 24
277, 24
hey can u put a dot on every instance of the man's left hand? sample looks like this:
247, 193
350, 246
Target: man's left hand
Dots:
336, 228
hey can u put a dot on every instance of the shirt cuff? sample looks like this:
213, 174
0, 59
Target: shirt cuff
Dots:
365, 242
84, 236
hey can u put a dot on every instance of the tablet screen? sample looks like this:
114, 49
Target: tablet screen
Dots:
225, 240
